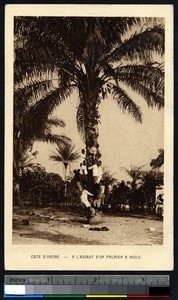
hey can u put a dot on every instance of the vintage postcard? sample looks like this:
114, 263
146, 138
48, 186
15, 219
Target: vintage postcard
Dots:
89, 137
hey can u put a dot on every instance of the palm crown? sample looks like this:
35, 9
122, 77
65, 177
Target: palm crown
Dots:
65, 154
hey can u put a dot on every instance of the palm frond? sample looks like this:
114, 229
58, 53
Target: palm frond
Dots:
57, 122
45, 106
56, 157
66, 153
134, 172
33, 55
126, 103
153, 99
35, 85
139, 46
74, 156
34, 129
21, 101
27, 96
110, 73
53, 138
39, 52
32, 61
149, 76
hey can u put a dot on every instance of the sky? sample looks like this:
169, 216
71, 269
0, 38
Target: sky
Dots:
123, 142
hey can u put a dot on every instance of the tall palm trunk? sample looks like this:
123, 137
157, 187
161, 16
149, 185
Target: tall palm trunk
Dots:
17, 193
91, 113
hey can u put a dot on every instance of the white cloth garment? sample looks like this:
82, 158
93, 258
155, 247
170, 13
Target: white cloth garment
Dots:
95, 170
83, 170
100, 173
84, 198
102, 189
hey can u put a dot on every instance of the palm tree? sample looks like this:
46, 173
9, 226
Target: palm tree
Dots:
97, 57
150, 180
135, 193
144, 181
65, 154
108, 177
135, 173
108, 181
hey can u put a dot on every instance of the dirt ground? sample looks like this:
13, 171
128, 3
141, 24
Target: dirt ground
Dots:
53, 226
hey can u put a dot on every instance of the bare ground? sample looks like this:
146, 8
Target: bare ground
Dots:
53, 226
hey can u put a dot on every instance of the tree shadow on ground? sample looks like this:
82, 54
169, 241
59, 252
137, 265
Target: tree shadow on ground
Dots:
58, 238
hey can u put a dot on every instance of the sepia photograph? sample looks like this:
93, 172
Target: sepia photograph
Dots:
88, 149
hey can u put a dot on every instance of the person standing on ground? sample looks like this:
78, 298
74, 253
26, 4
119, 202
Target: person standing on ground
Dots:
159, 206
84, 200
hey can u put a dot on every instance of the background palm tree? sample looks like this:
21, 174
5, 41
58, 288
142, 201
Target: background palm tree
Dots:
150, 180
135, 173
95, 56
65, 154
144, 182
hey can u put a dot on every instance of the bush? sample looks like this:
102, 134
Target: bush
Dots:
39, 188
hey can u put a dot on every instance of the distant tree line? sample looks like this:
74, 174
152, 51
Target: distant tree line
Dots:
41, 189
139, 193
136, 196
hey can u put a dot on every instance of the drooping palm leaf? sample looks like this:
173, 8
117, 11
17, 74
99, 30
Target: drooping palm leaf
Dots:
29, 95
126, 103
34, 86
139, 46
53, 138
153, 99
26, 66
149, 76
45, 106
55, 122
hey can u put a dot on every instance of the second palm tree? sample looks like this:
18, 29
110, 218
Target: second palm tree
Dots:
65, 154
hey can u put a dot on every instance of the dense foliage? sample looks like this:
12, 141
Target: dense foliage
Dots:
39, 188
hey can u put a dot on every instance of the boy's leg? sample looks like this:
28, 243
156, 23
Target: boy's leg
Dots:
79, 186
99, 204
87, 210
